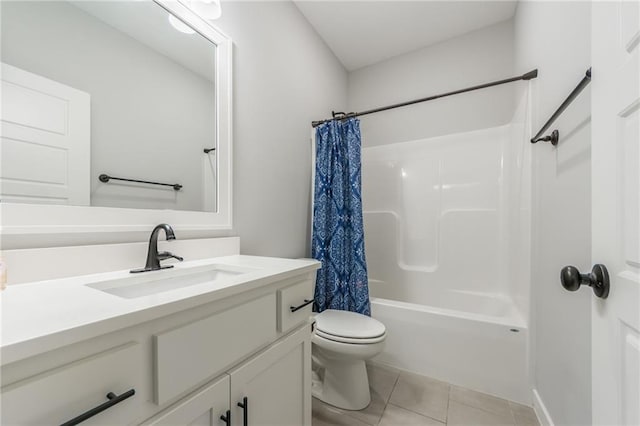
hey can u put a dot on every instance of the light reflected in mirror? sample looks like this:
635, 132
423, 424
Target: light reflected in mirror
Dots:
93, 88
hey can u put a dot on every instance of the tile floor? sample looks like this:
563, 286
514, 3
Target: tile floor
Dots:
404, 399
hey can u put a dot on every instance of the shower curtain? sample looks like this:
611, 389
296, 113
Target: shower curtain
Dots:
338, 234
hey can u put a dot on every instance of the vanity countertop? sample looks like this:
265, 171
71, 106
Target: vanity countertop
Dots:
41, 316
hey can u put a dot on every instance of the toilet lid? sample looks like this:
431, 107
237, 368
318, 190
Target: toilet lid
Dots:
348, 324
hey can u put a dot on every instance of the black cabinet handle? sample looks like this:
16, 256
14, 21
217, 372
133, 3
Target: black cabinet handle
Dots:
598, 279
113, 400
245, 410
297, 308
226, 418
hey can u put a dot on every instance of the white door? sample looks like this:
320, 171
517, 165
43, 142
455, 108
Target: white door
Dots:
615, 159
45, 140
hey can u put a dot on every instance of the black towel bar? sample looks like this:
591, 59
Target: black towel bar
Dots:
555, 135
106, 178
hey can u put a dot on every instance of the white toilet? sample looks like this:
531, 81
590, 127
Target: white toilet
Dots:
342, 341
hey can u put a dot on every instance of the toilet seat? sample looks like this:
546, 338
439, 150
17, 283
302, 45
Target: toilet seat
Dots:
349, 327
356, 341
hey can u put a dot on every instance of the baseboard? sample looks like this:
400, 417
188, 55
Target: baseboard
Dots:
541, 410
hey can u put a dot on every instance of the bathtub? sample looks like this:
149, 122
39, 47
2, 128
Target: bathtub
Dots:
472, 340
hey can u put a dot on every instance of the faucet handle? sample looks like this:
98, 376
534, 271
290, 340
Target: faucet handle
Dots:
167, 255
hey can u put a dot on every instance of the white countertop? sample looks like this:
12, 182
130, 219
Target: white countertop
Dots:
45, 315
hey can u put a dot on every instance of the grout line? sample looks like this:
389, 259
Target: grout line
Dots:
419, 414
513, 418
513, 415
446, 413
415, 412
395, 383
386, 402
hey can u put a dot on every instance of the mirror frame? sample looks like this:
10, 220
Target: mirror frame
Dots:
27, 225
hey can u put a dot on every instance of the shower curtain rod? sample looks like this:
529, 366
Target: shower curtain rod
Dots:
341, 115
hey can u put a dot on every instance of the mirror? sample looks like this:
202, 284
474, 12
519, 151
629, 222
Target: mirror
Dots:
112, 104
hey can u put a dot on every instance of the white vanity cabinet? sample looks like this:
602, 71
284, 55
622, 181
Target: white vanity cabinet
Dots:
190, 367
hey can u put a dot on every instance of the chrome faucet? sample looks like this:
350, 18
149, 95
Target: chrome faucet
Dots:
153, 257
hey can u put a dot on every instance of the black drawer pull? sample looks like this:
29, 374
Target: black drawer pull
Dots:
113, 400
297, 308
245, 410
226, 418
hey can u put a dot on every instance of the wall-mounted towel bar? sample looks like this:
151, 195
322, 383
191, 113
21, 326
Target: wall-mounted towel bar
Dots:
555, 135
106, 178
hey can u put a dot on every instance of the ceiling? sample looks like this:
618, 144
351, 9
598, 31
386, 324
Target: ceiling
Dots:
147, 23
361, 33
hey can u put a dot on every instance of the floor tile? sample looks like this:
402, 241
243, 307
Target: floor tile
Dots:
524, 416
465, 415
396, 416
325, 415
422, 395
382, 380
480, 400
381, 383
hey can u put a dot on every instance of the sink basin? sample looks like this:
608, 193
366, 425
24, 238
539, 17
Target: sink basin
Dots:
149, 283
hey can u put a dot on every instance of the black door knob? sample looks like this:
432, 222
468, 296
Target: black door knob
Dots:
597, 279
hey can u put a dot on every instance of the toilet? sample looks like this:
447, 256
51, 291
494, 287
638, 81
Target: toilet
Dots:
341, 343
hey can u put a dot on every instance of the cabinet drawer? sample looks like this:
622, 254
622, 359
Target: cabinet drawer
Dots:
192, 354
61, 394
292, 297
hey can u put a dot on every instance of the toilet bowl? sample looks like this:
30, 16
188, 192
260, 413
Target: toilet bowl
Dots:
341, 343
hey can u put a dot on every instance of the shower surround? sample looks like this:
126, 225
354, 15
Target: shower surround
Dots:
447, 244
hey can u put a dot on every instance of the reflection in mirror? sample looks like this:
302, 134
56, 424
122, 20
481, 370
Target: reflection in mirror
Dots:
93, 88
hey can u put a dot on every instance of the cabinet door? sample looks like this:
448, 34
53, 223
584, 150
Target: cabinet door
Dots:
201, 408
276, 383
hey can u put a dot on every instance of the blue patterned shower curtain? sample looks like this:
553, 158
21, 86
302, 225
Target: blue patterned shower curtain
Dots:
338, 234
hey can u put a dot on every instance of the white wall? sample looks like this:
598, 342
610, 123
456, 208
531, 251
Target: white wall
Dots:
284, 77
475, 58
555, 37
150, 116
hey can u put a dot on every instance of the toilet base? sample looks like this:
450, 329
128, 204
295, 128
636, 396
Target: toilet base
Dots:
342, 383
